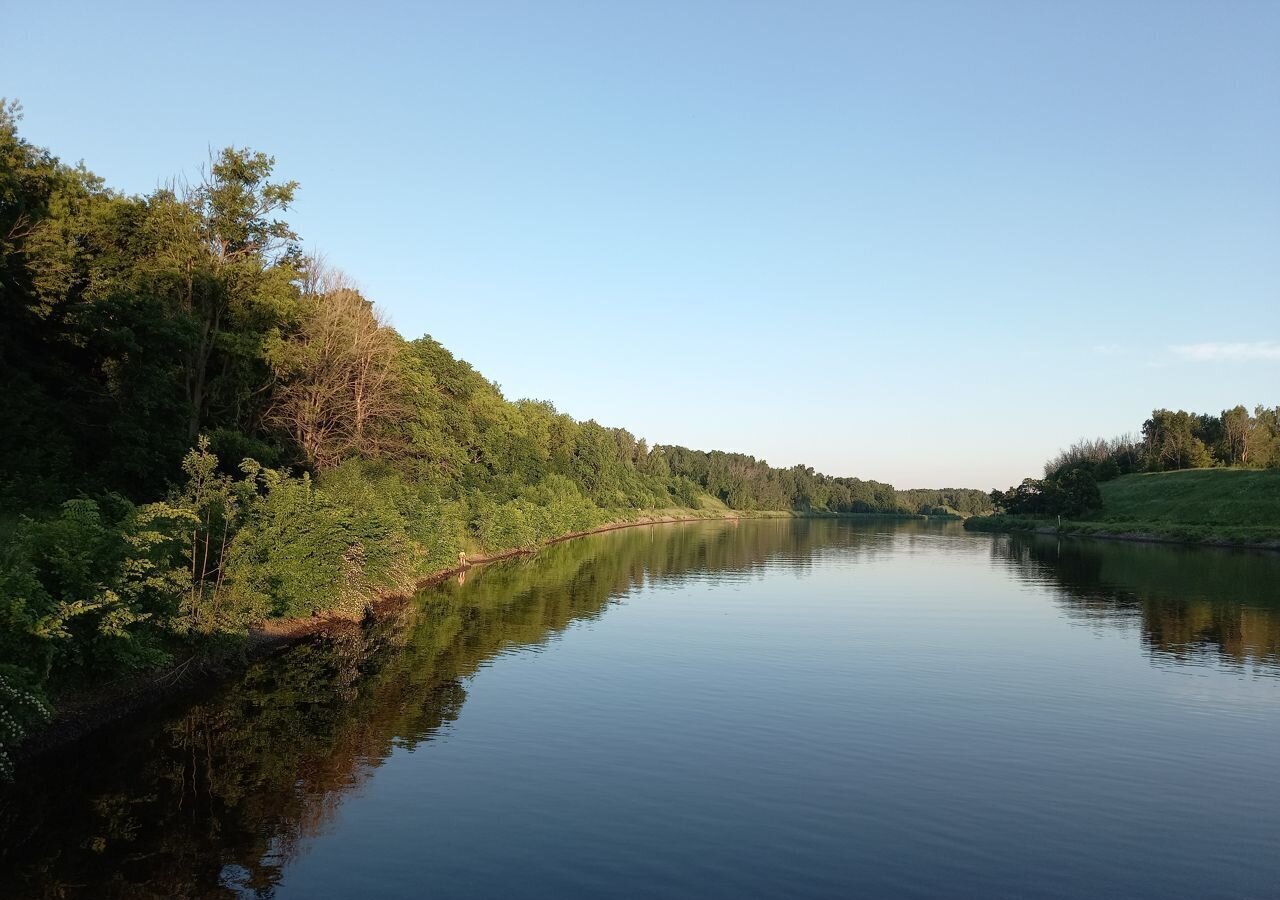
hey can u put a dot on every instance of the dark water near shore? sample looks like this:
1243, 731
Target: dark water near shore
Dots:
777, 708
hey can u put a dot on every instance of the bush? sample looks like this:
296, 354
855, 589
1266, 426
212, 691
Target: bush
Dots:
19, 707
76, 596
1076, 492
440, 530
510, 526
306, 547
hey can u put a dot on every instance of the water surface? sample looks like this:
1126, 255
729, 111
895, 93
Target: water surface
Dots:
804, 708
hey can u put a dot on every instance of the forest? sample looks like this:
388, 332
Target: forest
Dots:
207, 427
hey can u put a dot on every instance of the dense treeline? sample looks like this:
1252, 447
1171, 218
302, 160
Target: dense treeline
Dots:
206, 426
947, 501
1169, 441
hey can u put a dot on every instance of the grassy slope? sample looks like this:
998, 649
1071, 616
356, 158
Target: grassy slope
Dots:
1234, 506
1248, 497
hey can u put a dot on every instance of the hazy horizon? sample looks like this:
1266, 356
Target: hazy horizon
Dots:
908, 243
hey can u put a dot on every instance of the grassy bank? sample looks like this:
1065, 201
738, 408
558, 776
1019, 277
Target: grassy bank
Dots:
82, 709
1235, 507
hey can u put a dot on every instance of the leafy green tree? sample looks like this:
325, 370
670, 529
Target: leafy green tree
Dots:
1264, 437
1236, 433
228, 268
1076, 493
1172, 441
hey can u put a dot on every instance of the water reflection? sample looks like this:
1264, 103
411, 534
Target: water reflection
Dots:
217, 799
1190, 604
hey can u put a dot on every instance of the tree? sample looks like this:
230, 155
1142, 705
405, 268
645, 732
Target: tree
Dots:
1171, 441
1236, 427
1076, 493
86, 354
338, 387
228, 267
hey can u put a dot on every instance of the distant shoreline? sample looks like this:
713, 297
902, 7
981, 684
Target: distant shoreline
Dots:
1149, 533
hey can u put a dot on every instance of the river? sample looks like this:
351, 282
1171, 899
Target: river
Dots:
772, 708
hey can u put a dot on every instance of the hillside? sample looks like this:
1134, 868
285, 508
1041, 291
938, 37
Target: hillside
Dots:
1238, 507
1203, 497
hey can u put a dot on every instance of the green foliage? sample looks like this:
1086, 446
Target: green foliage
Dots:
308, 546
19, 707
1177, 440
743, 482
231, 446
1070, 492
72, 601
947, 501
1076, 492
1173, 441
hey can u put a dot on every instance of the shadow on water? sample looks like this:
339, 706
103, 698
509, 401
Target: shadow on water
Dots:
214, 800
1191, 605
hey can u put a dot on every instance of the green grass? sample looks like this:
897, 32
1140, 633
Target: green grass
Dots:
1229, 506
1204, 497
713, 504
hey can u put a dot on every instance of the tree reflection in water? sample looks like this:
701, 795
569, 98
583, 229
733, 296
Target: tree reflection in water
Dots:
215, 798
1192, 604
213, 801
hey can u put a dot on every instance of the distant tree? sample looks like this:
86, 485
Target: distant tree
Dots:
1072, 492
1172, 443
1028, 498
1264, 437
1236, 429
1076, 493
1208, 429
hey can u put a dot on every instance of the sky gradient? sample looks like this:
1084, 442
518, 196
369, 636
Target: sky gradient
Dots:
927, 243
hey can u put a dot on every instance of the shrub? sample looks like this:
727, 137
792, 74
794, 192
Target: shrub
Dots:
19, 706
305, 547
76, 599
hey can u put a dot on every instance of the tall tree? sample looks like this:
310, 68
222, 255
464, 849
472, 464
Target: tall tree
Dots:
339, 385
1236, 427
228, 265
1171, 441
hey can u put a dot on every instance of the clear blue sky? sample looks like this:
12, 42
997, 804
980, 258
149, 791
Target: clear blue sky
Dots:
923, 242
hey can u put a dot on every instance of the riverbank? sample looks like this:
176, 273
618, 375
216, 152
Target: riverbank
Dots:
543, 689
82, 712
1219, 507
1264, 537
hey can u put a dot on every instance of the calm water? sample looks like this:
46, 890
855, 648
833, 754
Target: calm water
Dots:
773, 709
